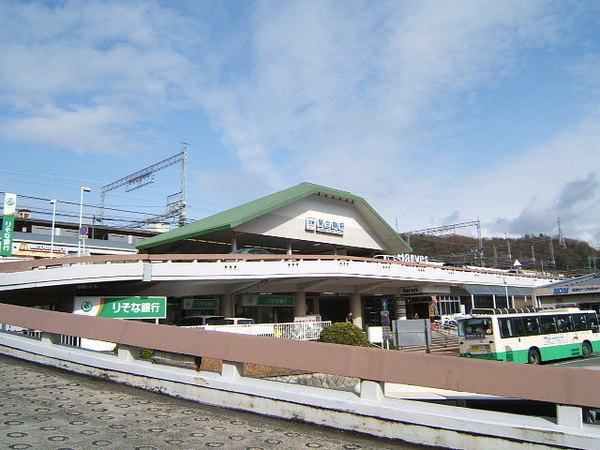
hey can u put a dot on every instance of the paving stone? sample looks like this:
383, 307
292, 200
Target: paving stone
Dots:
46, 408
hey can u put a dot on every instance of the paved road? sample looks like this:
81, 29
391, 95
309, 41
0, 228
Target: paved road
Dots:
45, 408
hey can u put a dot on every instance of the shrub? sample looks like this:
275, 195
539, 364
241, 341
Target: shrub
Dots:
345, 333
146, 353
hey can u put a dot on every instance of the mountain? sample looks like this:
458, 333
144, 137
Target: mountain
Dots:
534, 252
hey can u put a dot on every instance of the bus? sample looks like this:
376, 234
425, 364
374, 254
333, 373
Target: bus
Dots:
528, 335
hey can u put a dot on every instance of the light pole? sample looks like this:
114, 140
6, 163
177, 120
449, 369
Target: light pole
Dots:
506, 291
53, 203
83, 189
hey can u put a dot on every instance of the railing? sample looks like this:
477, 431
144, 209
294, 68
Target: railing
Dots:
23, 266
569, 389
303, 331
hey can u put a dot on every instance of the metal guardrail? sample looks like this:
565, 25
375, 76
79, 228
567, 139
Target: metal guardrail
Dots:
303, 331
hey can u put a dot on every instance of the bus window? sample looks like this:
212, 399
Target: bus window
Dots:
564, 323
511, 327
548, 324
592, 322
505, 328
475, 327
531, 325
579, 322
517, 326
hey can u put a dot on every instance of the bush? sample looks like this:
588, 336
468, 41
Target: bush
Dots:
345, 333
146, 353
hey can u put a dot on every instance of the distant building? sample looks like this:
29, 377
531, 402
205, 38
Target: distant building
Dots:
583, 292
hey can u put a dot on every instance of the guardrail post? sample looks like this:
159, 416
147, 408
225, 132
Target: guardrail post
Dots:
569, 416
372, 390
128, 352
50, 338
230, 369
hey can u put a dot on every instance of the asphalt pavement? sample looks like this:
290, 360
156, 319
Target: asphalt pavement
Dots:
46, 408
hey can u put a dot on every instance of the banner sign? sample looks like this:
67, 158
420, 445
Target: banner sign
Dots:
268, 300
8, 224
122, 307
200, 303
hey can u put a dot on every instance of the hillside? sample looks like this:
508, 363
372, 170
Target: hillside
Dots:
540, 252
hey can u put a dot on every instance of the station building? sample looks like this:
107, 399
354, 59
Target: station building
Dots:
310, 219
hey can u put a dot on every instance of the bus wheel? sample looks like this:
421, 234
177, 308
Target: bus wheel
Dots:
533, 357
586, 350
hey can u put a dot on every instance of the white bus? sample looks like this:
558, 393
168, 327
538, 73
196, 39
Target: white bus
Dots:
528, 335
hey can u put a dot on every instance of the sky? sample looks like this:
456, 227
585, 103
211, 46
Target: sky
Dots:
435, 112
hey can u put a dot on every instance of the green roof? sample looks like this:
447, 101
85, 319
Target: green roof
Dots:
238, 215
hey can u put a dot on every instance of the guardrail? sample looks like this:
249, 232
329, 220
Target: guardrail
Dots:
368, 410
303, 331
48, 263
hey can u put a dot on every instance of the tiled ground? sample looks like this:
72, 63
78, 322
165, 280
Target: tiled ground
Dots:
44, 408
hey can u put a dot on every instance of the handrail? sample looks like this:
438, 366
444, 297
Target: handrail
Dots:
558, 385
22, 266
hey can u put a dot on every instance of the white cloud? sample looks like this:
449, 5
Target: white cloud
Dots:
93, 64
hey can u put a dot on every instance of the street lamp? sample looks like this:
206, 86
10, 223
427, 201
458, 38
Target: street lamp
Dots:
83, 189
506, 292
53, 202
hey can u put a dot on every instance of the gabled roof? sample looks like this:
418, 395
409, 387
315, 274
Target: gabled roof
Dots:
238, 215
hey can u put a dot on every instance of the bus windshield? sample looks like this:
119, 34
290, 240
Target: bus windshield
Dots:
476, 327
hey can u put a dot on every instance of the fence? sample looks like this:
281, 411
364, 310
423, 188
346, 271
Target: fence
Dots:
367, 410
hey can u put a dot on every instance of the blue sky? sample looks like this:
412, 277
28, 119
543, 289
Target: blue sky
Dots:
435, 112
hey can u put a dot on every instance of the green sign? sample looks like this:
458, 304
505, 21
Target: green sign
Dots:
276, 300
122, 307
200, 303
8, 224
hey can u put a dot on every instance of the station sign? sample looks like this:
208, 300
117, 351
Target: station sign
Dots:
327, 226
122, 307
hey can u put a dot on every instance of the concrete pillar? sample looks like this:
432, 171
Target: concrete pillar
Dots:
316, 305
289, 249
494, 300
569, 416
300, 304
356, 308
50, 338
371, 390
231, 369
233, 241
128, 352
226, 306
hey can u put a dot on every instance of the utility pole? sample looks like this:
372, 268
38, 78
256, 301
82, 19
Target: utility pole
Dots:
495, 256
552, 253
561, 238
532, 252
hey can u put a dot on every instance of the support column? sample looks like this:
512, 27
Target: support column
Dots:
356, 308
289, 249
569, 416
226, 306
494, 300
233, 241
300, 304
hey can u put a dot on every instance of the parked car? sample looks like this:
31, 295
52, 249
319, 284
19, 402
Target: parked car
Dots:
238, 321
252, 251
197, 321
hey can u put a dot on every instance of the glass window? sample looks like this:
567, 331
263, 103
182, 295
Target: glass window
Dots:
564, 323
531, 325
548, 324
579, 322
476, 327
517, 326
592, 322
505, 328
